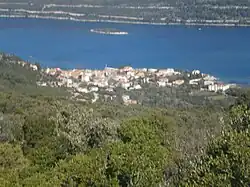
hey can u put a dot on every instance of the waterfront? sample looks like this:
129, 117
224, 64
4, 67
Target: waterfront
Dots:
220, 51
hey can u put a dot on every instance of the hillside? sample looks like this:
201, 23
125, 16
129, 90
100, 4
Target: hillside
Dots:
50, 139
19, 76
190, 12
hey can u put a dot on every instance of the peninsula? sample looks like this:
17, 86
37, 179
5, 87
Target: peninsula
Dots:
124, 85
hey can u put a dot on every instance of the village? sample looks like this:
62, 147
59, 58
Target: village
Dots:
86, 81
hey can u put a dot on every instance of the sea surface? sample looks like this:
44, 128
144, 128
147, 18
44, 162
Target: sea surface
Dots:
220, 51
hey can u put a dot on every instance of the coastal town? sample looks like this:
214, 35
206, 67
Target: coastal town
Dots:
107, 81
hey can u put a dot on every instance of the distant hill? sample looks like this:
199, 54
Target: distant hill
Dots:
207, 12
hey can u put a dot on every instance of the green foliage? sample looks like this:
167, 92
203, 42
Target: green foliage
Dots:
138, 164
83, 128
21, 78
242, 95
11, 157
240, 117
114, 150
154, 127
47, 140
133, 163
227, 159
12, 161
83, 170
226, 163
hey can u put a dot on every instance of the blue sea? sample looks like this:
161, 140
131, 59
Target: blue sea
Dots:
220, 51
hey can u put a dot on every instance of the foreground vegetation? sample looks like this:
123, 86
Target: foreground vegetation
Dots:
46, 139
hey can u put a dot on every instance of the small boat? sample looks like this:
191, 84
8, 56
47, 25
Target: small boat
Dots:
199, 29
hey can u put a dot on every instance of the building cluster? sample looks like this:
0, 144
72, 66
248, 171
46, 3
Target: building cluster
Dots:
116, 83
92, 81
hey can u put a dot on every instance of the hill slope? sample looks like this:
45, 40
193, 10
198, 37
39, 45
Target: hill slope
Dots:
218, 12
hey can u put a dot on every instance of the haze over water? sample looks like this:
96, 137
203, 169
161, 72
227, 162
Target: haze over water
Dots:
223, 52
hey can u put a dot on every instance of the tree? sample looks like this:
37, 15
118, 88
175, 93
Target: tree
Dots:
138, 159
227, 159
83, 128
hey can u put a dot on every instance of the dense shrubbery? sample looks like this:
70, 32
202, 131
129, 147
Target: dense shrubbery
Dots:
51, 141
226, 161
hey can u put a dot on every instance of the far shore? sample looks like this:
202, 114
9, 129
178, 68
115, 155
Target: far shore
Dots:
125, 22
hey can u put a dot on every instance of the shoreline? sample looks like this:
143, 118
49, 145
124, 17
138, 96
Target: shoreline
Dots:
122, 22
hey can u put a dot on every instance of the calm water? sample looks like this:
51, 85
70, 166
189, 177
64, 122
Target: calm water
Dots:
224, 52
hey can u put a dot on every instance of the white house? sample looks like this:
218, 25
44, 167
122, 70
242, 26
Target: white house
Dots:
178, 82
194, 81
166, 72
125, 85
219, 87
69, 83
146, 80
151, 70
125, 98
33, 67
206, 83
137, 87
93, 89
83, 90
161, 84
196, 72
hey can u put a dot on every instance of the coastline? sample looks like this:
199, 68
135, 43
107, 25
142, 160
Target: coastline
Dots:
124, 22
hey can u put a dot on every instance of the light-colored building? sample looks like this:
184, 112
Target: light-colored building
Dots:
96, 97
41, 83
209, 77
83, 90
125, 98
219, 87
194, 81
126, 69
206, 83
137, 87
196, 72
125, 85
69, 83
145, 80
161, 84
85, 78
109, 89
178, 82
127, 101
151, 70
130, 73
93, 89
140, 75
33, 67
142, 69
166, 72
